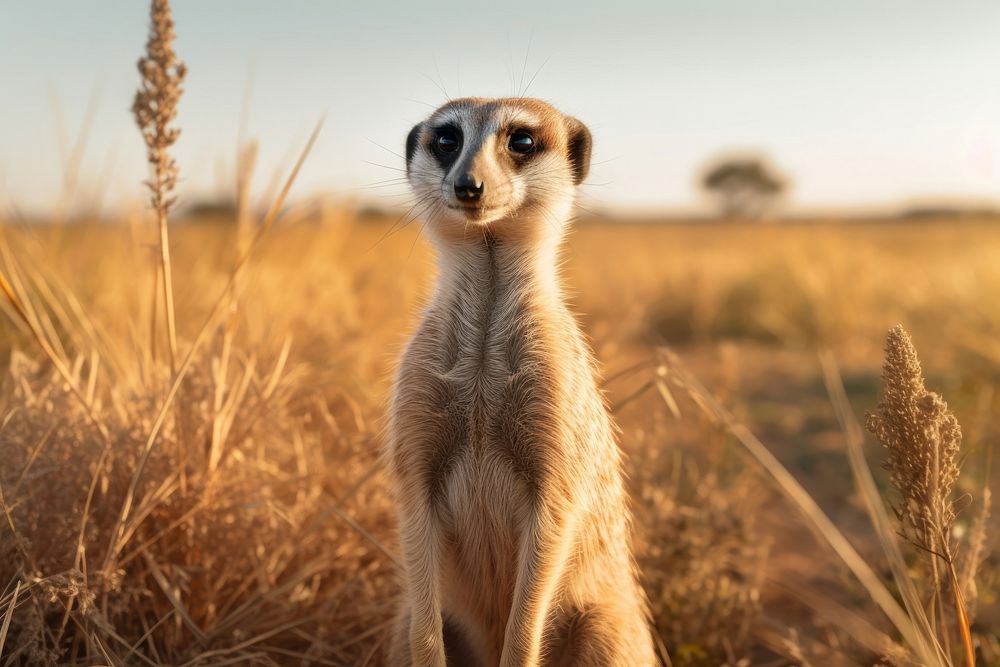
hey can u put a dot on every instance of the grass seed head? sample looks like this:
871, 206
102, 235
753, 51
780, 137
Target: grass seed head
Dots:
155, 104
923, 439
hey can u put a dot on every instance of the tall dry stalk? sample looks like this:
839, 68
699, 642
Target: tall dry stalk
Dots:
975, 553
923, 441
155, 108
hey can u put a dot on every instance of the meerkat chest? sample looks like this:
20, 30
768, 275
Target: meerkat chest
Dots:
503, 403
477, 395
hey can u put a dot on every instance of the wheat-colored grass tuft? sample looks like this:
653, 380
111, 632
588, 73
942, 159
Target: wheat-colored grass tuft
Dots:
155, 108
923, 440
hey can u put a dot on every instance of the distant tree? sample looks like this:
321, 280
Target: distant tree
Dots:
743, 187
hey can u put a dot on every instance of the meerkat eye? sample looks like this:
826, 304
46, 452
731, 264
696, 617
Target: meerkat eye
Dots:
447, 140
521, 142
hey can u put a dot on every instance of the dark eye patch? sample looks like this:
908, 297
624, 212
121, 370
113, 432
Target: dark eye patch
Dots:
446, 144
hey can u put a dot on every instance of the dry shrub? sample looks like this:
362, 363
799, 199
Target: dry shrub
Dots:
697, 543
703, 563
255, 556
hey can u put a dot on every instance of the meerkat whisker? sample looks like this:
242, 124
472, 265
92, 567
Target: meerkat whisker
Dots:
535, 75
387, 150
392, 228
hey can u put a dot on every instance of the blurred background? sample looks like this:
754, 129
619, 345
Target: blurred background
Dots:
870, 108
774, 186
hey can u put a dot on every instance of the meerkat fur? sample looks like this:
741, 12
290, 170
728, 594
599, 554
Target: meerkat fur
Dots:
514, 519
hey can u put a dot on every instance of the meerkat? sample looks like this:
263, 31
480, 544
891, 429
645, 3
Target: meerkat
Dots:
514, 520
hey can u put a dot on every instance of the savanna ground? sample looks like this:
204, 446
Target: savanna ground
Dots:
258, 528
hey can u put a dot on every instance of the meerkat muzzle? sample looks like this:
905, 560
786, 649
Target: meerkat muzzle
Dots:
468, 189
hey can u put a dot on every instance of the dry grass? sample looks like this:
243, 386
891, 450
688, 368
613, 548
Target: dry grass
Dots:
261, 508
225, 505
155, 108
923, 440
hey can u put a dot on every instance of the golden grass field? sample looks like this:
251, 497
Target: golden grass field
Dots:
190, 426
256, 527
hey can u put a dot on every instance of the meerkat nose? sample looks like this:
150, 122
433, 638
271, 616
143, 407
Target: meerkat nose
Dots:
468, 188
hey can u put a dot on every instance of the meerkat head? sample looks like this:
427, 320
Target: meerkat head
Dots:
504, 164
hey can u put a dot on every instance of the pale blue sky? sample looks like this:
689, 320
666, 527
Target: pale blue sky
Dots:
862, 102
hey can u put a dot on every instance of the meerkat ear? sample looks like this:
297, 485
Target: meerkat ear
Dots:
578, 149
411, 143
